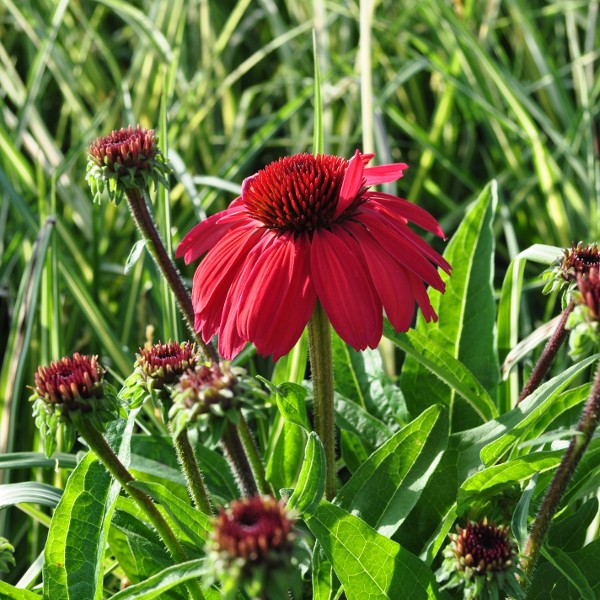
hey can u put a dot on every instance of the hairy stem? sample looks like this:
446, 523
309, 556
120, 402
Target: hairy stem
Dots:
238, 460
249, 444
321, 364
586, 427
551, 349
192, 473
116, 468
141, 215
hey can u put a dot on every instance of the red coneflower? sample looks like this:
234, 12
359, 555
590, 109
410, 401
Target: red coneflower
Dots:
306, 228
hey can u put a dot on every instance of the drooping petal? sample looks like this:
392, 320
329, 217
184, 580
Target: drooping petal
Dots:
231, 335
207, 233
403, 252
279, 298
216, 274
384, 173
351, 184
421, 297
345, 289
399, 226
403, 208
389, 277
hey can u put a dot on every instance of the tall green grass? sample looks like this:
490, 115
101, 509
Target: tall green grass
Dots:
464, 92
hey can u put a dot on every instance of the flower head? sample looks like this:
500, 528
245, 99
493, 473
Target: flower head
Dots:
481, 557
584, 321
253, 548
579, 260
163, 364
205, 396
126, 158
589, 290
575, 261
309, 228
69, 388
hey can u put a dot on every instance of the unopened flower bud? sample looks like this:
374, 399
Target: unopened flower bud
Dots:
127, 158
254, 548
481, 559
73, 385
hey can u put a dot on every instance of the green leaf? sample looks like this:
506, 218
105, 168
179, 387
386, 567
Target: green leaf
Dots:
567, 567
324, 580
290, 402
8, 592
137, 548
385, 489
494, 479
368, 564
521, 422
519, 523
30, 492
361, 376
569, 533
449, 370
466, 312
311, 481
500, 431
73, 557
168, 578
134, 255
195, 524
350, 416
509, 313
551, 583
286, 450
27, 460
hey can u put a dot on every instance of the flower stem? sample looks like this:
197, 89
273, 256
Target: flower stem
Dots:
249, 444
554, 343
587, 425
115, 467
238, 460
192, 473
139, 210
321, 364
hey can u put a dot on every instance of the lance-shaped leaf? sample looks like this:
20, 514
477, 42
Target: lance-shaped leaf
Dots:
73, 558
158, 584
368, 564
385, 489
466, 325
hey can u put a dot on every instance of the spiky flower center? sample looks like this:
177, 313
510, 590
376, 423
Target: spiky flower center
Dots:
589, 288
483, 548
124, 148
165, 363
252, 528
579, 259
297, 193
69, 379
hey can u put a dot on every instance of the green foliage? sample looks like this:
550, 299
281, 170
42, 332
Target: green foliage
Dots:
492, 109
